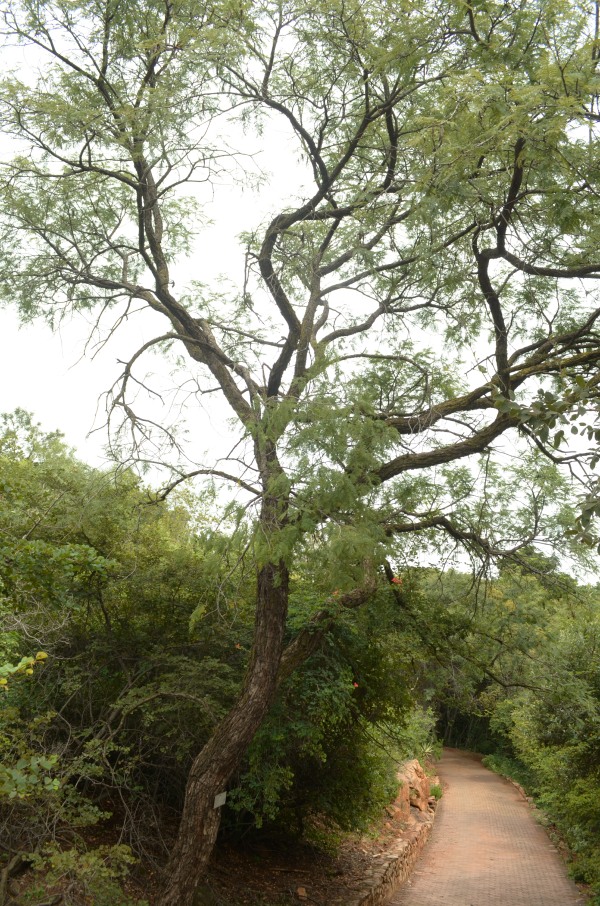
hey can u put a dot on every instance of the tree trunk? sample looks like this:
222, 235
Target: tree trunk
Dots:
223, 754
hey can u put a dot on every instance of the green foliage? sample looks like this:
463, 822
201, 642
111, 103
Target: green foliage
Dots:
146, 615
311, 754
22, 778
84, 876
148, 627
124, 693
447, 189
340, 726
22, 773
416, 736
555, 732
23, 668
512, 768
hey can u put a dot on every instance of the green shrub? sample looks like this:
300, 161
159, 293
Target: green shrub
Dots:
333, 739
84, 877
436, 791
511, 768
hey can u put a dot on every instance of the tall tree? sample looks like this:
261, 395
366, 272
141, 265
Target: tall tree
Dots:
428, 289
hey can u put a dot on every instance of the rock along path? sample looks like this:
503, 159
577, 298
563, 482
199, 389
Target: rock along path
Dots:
486, 848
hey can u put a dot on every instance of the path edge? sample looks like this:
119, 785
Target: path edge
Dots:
396, 864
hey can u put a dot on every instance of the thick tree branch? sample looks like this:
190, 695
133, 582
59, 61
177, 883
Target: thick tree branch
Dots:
477, 443
311, 636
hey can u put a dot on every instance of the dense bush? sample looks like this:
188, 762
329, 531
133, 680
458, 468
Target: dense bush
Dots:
102, 581
331, 744
554, 729
143, 618
127, 626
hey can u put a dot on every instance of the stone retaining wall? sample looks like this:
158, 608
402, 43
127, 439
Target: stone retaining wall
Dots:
395, 864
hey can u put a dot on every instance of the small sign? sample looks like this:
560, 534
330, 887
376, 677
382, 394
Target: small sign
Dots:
220, 799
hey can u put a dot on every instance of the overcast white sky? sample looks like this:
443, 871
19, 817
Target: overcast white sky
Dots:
52, 375
40, 372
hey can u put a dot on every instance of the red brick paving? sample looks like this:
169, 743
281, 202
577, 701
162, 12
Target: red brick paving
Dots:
486, 848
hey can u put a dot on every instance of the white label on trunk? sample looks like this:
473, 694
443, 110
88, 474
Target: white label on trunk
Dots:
220, 799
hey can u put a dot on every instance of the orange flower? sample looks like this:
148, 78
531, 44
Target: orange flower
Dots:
397, 580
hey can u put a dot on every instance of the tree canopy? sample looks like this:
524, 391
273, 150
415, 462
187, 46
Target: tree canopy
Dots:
430, 290
423, 296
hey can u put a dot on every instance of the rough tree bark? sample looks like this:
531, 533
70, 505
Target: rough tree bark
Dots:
223, 754
213, 767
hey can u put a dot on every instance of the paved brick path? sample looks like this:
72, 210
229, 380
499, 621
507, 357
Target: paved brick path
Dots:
485, 848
